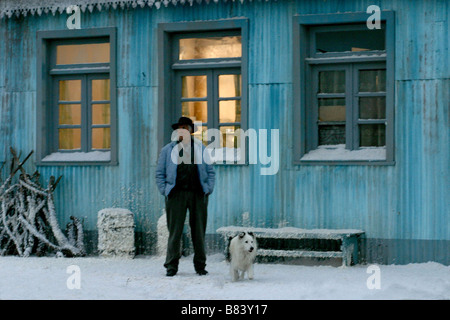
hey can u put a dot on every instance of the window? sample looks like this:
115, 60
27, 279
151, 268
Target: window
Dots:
208, 71
222, 102
344, 97
209, 92
78, 122
348, 105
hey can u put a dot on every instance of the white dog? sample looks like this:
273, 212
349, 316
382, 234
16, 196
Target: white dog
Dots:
243, 254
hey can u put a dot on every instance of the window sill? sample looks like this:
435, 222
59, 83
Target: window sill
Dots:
78, 158
337, 154
225, 156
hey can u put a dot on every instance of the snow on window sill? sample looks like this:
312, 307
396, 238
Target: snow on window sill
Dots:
93, 156
339, 153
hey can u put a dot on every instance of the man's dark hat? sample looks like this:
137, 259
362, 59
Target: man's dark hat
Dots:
184, 120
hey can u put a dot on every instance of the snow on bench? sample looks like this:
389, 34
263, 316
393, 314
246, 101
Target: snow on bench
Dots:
348, 237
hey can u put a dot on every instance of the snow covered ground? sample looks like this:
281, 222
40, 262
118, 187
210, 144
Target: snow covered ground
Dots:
144, 278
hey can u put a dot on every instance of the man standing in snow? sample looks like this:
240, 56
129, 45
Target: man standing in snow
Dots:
186, 179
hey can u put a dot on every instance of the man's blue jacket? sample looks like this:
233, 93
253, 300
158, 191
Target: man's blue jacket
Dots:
166, 170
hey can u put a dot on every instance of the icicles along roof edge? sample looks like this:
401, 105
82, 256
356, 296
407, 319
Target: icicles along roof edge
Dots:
17, 8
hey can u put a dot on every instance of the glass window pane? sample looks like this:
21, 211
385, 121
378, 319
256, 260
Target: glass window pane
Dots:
229, 85
229, 136
350, 40
230, 111
196, 110
200, 134
332, 81
193, 87
372, 107
372, 80
211, 47
331, 134
101, 114
372, 135
70, 139
70, 90
101, 138
82, 53
70, 114
332, 109
100, 90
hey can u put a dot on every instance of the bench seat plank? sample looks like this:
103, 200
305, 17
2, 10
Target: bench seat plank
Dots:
292, 233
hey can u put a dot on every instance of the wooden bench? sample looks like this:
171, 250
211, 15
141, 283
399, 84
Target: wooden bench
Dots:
348, 239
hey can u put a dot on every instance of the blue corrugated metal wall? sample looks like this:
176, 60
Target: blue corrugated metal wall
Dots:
403, 208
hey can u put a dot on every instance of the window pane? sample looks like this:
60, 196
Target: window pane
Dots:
331, 134
332, 81
193, 87
350, 40
101, 138
101, 114
196, 110
200, 134
229, 138
70, 114
230, 111
69, 139
70, 90
100, 90
213, 47
372, 108
229, 85
372, 135
82, 53
372, 80
332, 109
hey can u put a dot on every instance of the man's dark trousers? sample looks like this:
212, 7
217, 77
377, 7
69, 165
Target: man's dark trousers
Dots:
177, 204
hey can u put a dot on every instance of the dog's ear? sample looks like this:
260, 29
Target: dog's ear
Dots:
251, 234
241, 235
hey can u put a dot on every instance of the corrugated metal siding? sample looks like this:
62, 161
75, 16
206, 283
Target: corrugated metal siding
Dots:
407, 201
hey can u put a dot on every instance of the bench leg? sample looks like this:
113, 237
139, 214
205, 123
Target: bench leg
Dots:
350, 251
226, 251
